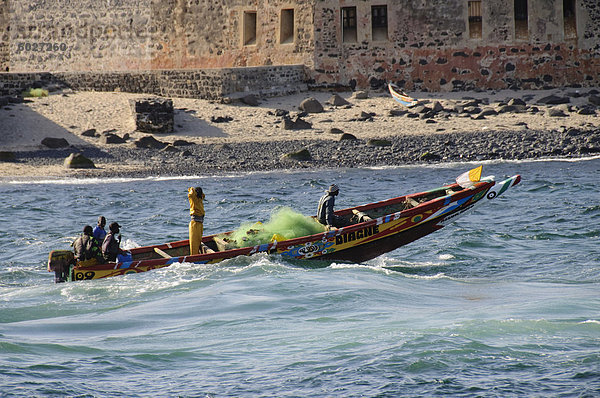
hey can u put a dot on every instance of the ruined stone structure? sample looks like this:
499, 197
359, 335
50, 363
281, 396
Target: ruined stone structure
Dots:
421, 44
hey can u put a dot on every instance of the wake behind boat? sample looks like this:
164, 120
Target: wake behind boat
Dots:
373, 229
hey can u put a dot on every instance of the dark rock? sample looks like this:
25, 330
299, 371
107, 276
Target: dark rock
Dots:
55, 142
378, 142
437, 107
89, 133
182, 143
512, 108
348, 137
516, 101
554, 112
586, 110
398, 112
335, 130
361, 95
111, 139
554, 100
298, 124
311, 105
364, 116
594, 99
153, 115
336, 100
430, 157
149, 142
281, 112
221, 119
7, 156
301, 155
250, 100
78, 161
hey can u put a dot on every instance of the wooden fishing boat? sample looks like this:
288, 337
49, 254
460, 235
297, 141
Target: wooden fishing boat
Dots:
373, 229
400, 96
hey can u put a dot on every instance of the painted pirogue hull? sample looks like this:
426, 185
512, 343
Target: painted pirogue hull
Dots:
382, 227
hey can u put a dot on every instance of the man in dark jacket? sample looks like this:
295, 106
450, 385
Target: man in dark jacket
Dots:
87, 247
325, 213
112, 241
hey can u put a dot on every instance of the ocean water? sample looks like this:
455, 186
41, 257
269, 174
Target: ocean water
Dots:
504, 302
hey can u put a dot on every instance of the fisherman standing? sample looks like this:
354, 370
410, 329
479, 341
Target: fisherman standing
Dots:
196, 229
325, 213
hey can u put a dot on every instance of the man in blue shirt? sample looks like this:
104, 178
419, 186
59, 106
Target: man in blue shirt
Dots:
99, 232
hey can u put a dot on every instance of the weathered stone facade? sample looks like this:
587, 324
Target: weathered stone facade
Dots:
421, 44
192, 83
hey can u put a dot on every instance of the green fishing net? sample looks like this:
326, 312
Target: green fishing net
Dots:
283, 224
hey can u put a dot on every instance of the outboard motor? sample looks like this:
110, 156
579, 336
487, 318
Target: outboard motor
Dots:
61, 262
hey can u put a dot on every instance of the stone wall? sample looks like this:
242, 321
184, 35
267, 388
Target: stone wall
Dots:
115, 35
429, 46
4, 37
191, 83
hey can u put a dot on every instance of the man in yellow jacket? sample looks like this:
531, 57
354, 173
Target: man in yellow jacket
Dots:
196, 198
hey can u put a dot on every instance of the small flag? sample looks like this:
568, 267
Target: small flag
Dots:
466, 179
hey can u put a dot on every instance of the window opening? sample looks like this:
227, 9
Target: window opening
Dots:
349, 25
475, 19
249, 28
521, 28
569, 19
379, 23
286, 27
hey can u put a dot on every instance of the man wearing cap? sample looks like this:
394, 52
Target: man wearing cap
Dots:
196, 229
112, 241
325, 211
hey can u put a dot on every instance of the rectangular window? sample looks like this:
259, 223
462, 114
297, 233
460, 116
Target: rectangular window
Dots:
569, 19
249, 28
521, 27
349, 25
475, 20
379, 23
286, 26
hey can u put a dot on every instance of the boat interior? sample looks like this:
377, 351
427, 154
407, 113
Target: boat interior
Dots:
359, 214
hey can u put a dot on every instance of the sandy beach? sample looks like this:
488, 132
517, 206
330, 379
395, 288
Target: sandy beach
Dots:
221, 127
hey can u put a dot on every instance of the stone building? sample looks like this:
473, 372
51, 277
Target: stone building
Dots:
421, 44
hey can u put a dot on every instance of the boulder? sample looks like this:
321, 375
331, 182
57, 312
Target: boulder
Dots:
594, 99
89, 133
298, 124
517, 101
149, 142
554, 112
378, 142
335, 130
7, 156
182, 143
55, 142
111, 138
78, 161
554, 100
250, 100
437, 107
336, 100
311, 105
153, 115
348, 137
360, 95
301, 155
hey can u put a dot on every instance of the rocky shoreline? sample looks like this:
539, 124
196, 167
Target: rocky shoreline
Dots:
294, 132
322, 154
